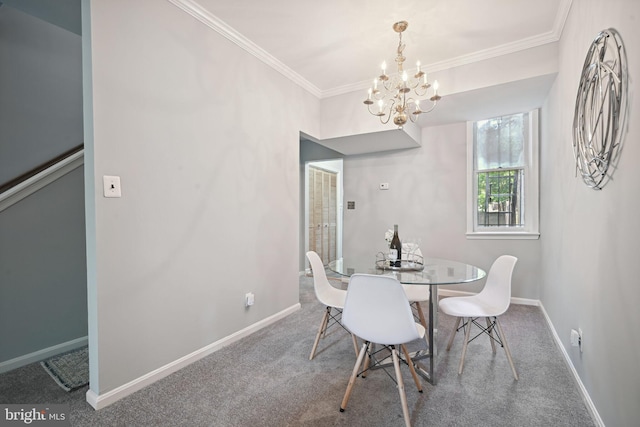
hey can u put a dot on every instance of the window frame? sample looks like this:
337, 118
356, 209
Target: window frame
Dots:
531, 189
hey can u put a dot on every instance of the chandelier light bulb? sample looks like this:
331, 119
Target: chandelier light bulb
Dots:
418, 66
405, 77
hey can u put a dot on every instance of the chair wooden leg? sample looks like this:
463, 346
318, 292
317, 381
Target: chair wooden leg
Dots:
355, 344
367, 361
412, 369
327, 319
403, 397
323, 326
352, 379
467, 332
423, 320
493, 342
506, 349
453, 333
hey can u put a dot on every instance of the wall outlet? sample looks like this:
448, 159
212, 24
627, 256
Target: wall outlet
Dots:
249, 299
384, 185
576, 338
580, 339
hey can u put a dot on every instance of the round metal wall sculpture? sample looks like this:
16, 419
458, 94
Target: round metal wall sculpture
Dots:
601, 109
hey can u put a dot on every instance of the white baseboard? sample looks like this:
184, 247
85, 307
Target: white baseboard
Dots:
99, 401
524, 301
583, 391
39, 355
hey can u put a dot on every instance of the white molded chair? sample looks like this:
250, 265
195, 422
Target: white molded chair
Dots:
332, 298
416, 294
377, 311
491, 302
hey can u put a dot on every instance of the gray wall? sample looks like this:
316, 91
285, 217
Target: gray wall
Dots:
161, 282
591, 238
41, 87
427, 199
583, 266
210, 192
63, 13
43, 292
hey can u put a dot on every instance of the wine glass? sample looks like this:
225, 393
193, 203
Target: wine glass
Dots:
408, 249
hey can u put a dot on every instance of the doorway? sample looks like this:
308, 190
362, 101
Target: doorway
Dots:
323, 209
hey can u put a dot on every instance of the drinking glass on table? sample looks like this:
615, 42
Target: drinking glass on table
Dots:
412, 249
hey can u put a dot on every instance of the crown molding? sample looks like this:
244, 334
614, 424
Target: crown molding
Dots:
561, 17
494, 52
203, 15
505, 49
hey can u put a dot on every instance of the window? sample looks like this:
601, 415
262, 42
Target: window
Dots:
502, 168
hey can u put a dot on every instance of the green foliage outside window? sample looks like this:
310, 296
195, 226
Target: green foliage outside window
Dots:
499, 160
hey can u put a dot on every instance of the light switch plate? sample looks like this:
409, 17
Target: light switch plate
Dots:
111, 186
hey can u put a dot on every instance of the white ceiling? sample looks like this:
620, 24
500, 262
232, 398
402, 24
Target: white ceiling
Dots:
332, 47
338, 45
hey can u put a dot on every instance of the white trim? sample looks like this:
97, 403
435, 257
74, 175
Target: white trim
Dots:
471, 185
481, 55
531, 190
99, 401
494, 52
561, 17
505, 235
591, 407
42, 179
199, 12
39, 355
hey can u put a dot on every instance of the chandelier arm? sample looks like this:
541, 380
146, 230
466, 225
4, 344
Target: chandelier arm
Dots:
390, 84
430, 109
389, 113
413, 84
419, 93
385, 121
381, 114
374, 113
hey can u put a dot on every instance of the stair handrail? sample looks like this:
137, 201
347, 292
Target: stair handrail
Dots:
28, 183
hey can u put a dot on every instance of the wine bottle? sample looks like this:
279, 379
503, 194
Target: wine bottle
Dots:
396, 248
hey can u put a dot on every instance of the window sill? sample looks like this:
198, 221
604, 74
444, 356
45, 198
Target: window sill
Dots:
502, 235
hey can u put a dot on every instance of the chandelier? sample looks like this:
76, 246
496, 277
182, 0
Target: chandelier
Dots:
400, 95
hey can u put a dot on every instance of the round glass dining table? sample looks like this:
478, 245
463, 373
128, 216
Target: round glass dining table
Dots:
432, 272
